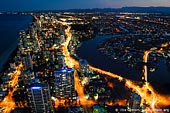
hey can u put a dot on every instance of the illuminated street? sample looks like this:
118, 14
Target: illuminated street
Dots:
8, 103
49, 67
149, 96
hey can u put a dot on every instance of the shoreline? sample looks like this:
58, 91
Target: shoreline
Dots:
13, 52
157, 85
6, 63
101, 60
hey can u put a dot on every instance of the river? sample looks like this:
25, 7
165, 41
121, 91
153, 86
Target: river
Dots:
88, 50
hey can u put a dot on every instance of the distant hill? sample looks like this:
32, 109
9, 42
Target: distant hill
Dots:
146, 9
125, 9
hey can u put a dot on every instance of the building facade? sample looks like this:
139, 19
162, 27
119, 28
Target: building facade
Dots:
39, 98
84, 66
134, 105
64, 83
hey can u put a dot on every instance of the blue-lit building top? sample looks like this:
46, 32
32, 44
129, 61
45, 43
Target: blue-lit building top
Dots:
37, 85
39, 98
64, 83
64, 69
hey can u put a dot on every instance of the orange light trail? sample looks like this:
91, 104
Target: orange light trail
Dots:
8, 102
68, 59
148, 94
157, 99
106, 73
145, 57
70, 62
80, 90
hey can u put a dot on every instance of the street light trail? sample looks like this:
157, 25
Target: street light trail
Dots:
157, 98
148, 94
145, 70
106, 73
8, 102
80, 90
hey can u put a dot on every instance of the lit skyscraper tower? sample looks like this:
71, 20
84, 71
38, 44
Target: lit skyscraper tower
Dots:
84, 66
39, 98
134, 104
27, 61
64, 83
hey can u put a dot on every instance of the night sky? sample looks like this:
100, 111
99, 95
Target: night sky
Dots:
30, 5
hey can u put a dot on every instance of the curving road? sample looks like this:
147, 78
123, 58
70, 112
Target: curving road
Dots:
148, 94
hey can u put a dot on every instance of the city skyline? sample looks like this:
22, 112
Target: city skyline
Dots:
32, 5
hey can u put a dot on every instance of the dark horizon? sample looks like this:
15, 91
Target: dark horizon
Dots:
150, 9
31, 5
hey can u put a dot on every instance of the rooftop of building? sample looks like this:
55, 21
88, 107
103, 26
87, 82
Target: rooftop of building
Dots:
64, 69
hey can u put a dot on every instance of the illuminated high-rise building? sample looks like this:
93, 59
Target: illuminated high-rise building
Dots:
39, 98
135, 102
64, 83
84, 66
27, 61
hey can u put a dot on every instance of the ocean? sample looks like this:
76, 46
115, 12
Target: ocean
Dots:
10, 25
